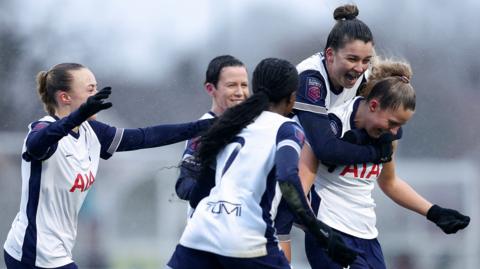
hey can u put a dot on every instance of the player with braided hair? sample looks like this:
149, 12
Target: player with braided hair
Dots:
254, 150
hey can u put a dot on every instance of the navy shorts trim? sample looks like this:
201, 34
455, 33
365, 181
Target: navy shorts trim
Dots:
187, 258
370, 253
12, 263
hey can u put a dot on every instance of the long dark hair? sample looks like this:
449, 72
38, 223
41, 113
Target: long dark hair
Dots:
274, 80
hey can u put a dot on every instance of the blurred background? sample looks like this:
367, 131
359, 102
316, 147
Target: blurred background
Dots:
154, 55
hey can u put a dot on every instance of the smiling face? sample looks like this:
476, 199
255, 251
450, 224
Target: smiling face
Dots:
231, 89
347, 64
380, 121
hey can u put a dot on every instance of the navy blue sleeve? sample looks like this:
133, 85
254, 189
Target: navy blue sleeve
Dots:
286, 165
42, 140
108, 136
290, 139
312, 89
327, 146
284, 221
160, 135
189, 170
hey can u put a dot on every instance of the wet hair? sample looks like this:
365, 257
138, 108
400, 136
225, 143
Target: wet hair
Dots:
217, 64
389, 82
348, 28
58, 78
274, 80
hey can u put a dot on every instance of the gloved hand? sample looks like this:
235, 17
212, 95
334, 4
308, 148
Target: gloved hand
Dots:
333, 243
339, 252
95, 103
449, 220
383, 148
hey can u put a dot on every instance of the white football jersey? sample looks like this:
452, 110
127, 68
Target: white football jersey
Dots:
346, 193
43, 232
316, 62
236, 219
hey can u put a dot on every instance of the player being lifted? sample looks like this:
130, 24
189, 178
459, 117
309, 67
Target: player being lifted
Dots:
345, 202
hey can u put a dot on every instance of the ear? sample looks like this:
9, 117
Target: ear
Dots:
63, 98
209, 88
329, 53
373, 105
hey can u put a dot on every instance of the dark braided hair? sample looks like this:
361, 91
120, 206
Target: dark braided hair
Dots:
274, 80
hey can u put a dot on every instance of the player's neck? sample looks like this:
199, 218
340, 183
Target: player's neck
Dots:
361, 114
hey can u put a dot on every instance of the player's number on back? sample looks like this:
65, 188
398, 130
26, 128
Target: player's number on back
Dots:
240, 142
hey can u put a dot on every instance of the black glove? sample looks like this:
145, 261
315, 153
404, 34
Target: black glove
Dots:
449, 220
383, 148
339, 252
333, 243
95, 103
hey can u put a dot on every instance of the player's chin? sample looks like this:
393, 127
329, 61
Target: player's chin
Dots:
93, 117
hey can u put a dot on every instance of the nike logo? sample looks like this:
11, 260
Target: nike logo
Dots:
324, 233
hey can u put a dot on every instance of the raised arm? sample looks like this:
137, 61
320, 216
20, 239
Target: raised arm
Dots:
42, 140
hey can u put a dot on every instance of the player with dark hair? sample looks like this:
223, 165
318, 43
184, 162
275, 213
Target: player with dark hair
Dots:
226, 81
60, 158
255, 151
328, 79
345, 202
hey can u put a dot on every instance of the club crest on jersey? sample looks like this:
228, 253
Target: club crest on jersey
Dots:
220, 207
83, 182
193, 144
314, 89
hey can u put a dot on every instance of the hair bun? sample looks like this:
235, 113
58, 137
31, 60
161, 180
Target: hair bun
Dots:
347, 12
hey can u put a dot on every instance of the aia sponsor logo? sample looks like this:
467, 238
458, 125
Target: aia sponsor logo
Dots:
83, 182
362, 171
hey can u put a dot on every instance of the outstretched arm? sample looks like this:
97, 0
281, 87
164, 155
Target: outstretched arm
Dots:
160, 135
450, 221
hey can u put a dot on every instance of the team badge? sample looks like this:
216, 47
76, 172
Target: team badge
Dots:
299, 135
40, 125
314, 89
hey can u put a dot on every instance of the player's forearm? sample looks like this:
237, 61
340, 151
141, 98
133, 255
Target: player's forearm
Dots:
329, 148
404, 195
160, 135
